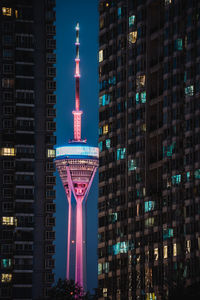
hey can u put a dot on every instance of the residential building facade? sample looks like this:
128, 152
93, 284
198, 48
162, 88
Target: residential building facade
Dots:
27, 99
149, 141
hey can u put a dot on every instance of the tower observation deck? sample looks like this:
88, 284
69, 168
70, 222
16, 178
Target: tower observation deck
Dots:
77, 163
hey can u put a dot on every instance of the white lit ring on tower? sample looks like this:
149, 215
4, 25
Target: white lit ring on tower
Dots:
77, 150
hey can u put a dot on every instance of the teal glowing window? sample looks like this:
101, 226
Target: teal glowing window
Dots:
121, 153
132, 165
169, 150
131, 21
99, 269
6, 263
103, 268
188, 176
119, 12
108, 143
104, 100
100, 145
167, 233
143, 97
189, 90
149, 205
113, 218
197, 174
121, 247
112, 81
178, 44
100, 131
176, 179
137, 98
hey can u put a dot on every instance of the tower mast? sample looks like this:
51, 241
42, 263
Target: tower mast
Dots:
77, 112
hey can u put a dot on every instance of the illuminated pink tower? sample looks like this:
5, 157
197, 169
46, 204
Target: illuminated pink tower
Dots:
77, 163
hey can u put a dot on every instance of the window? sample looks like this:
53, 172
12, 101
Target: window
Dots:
197, 174
6, 263
149, 205
149, 222
140, 81
121, 153
143, 97
167, 233
178, 44
100, 55
104, 100
108, 143
176, 179
7, 83
9, 221
7, 11
6, 277
131, 20
8, 152
100, 145
165, 254
51, 153
105, 129
132, 164
167, 2
169, 150
175, 249
188, 246
7, 53
189, 90
155, 253
132, 37
119, 12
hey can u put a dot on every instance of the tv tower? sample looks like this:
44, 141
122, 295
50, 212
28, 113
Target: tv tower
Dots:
77, 163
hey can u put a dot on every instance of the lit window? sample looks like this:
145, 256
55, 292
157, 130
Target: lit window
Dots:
108, 143
7, 83
178, 44
7, 11
105, 292
155, 253
112, 81
169, 150
121, 247
100, 55
149, 222
140, 81
167, 233
167, 2
197, 174
137, 98
121, 153
175, 249
8, 152
100, 145
9, 221
16, 13
150, 296
143, 97
104, 100
6, 277
99, 268
132, 165
119, 12
188, 176
165, 252
189, 90
188, 246
113, 218
131, 21
176, 179
6, 263
132, 37
105, 129
149, 205
51, 153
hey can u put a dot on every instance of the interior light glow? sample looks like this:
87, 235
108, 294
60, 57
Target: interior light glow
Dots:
77, 150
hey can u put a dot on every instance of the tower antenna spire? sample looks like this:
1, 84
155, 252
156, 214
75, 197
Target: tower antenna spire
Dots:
77, 112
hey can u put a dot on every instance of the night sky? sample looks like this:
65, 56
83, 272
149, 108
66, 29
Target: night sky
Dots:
68, 12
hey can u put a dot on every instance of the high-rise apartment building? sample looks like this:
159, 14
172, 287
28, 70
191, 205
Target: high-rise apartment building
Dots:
149, 140
27, 99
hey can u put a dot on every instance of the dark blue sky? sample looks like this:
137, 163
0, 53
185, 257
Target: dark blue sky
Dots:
68, 13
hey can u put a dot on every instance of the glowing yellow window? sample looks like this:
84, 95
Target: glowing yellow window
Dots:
16, 14
165, 255
175, 249
9, 221
188, 246
105, 129
100, 55
51, 153
7, 11
6, 277
156, 253
8, 152
132, 37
